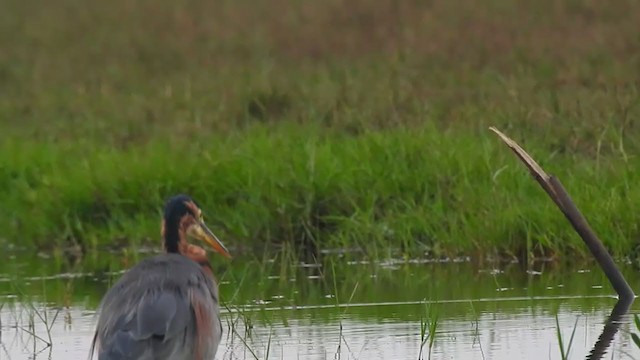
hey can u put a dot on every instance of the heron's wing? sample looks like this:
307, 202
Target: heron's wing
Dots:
148, 313
143, 332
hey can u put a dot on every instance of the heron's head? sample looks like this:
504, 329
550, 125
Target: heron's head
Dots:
183, 218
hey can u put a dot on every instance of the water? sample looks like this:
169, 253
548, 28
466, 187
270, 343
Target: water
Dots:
350, 310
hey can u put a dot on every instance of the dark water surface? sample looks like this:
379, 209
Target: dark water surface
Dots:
346, 309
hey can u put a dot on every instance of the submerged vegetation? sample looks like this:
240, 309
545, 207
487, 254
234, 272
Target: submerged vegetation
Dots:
365, 127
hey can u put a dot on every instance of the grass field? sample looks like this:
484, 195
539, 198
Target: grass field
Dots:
334, 124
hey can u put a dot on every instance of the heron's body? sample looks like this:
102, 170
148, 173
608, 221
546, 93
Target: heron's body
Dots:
152, 312
165, 307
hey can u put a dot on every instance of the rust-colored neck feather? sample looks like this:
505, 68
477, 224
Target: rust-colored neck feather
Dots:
197, 254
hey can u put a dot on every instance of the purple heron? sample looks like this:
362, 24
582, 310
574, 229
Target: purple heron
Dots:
165, 307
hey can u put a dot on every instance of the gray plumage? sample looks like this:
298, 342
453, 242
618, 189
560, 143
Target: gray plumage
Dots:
166, 307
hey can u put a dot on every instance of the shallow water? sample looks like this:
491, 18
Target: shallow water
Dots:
351, 310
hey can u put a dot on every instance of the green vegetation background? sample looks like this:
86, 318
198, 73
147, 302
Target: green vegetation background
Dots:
358, 124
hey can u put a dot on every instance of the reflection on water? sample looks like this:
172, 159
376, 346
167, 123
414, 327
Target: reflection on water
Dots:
612, 325
483, 311
475, 330
523, 333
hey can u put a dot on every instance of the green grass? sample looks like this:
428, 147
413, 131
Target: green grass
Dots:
565, 350
298, 124
634, 336
428, 331
417, 190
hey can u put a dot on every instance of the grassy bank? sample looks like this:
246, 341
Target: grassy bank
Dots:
417, 190
336, 124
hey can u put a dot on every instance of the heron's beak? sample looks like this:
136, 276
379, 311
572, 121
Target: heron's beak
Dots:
201, 232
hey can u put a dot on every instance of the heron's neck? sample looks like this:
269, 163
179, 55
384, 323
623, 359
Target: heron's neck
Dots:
173, 238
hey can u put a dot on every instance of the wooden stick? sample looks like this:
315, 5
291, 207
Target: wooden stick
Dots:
561, 198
